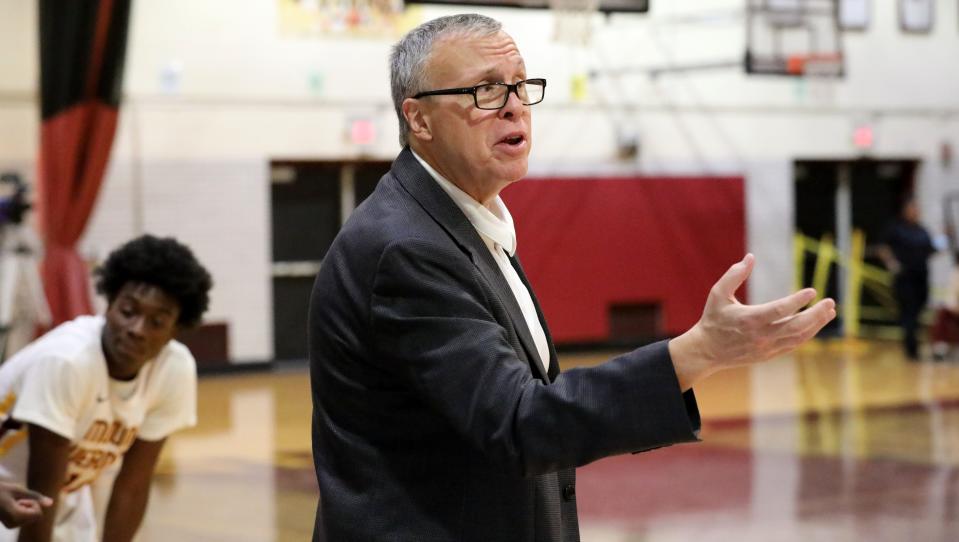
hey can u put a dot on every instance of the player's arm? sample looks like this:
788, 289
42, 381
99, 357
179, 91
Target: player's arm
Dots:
46, 473
131, 490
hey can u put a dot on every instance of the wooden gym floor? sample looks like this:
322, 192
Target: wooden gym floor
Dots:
840, 441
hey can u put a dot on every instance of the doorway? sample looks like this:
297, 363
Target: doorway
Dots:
842, 208
310, 201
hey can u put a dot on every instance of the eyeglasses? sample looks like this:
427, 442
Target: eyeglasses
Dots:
495, 95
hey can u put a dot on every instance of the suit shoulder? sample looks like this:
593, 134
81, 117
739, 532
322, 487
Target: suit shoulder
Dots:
390, 215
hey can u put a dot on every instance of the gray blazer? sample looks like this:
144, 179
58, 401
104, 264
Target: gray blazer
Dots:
433, 418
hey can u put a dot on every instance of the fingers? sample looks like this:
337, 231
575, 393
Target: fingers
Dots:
798, 329
28, 507
19, 512
734, 277
25, 511
29, 495
785, 307
19, 505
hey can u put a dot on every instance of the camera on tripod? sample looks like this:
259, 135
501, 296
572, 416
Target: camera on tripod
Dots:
23, 304
15, 205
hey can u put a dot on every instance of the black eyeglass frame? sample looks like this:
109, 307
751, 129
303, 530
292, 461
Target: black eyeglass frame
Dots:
510, 89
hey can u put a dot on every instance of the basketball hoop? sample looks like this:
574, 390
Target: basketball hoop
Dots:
797, 38
573, 21
815, 65
824, 65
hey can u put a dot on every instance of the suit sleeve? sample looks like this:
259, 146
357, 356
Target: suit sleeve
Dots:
431, 320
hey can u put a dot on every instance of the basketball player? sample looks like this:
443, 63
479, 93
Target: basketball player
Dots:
101, 389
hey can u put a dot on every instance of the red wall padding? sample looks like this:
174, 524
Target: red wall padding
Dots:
588, 243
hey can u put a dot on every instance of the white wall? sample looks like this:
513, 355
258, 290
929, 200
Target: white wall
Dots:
193, 162
18, 76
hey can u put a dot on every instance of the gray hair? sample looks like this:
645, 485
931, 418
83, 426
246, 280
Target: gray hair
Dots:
409, 56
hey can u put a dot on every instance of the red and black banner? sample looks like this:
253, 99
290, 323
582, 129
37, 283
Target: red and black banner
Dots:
82, 51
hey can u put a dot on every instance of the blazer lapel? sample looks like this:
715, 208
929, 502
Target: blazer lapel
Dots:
487, 265
553, 371
441, 207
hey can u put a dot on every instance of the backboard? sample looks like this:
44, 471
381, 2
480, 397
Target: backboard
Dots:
798, 38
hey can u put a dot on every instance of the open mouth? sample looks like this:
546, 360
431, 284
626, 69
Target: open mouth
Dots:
513, 140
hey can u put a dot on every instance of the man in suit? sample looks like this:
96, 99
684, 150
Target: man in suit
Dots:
440, 413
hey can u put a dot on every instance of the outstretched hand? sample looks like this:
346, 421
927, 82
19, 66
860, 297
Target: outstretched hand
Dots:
20, 506
731, 334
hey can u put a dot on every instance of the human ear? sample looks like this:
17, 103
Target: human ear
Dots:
418, 118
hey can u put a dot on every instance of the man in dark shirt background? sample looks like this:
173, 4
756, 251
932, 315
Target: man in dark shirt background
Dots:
906, 249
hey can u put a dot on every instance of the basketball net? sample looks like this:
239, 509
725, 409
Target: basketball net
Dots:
573, 21
815, 65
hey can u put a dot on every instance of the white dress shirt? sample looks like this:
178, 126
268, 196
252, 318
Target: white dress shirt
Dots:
495, 226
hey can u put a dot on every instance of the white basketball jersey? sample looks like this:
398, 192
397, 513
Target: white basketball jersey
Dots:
60, 382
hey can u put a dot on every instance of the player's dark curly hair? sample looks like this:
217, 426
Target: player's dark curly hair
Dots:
164, 263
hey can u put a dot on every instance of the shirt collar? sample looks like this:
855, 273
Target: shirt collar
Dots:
493, 222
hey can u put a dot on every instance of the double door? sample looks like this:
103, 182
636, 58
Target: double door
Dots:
310, 200
841, 211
